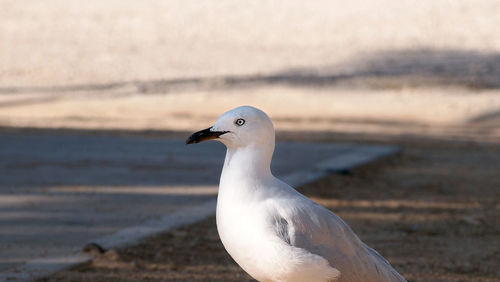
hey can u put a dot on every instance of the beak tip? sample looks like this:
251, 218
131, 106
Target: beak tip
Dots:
203, 135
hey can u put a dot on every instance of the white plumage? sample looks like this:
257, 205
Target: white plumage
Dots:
272, 231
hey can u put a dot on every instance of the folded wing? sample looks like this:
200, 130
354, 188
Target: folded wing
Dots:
311, 227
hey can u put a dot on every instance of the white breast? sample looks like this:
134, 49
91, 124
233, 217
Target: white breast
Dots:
246, 230
241, 240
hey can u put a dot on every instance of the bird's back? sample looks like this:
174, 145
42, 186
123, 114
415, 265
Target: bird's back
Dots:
306, 224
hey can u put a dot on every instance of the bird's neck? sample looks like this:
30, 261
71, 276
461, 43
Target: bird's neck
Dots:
248, 163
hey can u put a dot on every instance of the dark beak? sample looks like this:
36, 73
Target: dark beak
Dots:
204, 135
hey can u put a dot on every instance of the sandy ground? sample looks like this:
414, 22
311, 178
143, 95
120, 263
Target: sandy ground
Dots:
60, 42
432, 211
427, 112
426, 68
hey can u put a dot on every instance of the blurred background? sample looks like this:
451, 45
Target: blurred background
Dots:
383, 67
420, 75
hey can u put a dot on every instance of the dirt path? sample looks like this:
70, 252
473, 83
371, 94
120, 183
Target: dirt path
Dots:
432, 211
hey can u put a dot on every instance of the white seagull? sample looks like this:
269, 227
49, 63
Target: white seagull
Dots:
272, 231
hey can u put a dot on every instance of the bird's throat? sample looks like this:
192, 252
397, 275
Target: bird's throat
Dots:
247, 163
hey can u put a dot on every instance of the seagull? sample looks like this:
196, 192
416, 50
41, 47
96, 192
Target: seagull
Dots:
272, 231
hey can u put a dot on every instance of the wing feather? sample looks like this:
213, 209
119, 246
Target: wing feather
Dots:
311, 227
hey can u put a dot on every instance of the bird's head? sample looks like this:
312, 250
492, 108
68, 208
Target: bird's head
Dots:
240, 127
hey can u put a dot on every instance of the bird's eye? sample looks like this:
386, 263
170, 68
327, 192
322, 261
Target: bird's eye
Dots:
240, 122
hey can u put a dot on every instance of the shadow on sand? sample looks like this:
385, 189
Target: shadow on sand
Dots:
382, 70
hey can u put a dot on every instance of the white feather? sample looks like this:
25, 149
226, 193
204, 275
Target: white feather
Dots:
273, 232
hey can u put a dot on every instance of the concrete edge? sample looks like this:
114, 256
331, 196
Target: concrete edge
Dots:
41, 267
129, 236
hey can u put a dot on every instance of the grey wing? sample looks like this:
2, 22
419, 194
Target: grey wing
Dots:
282, 229
323, 233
